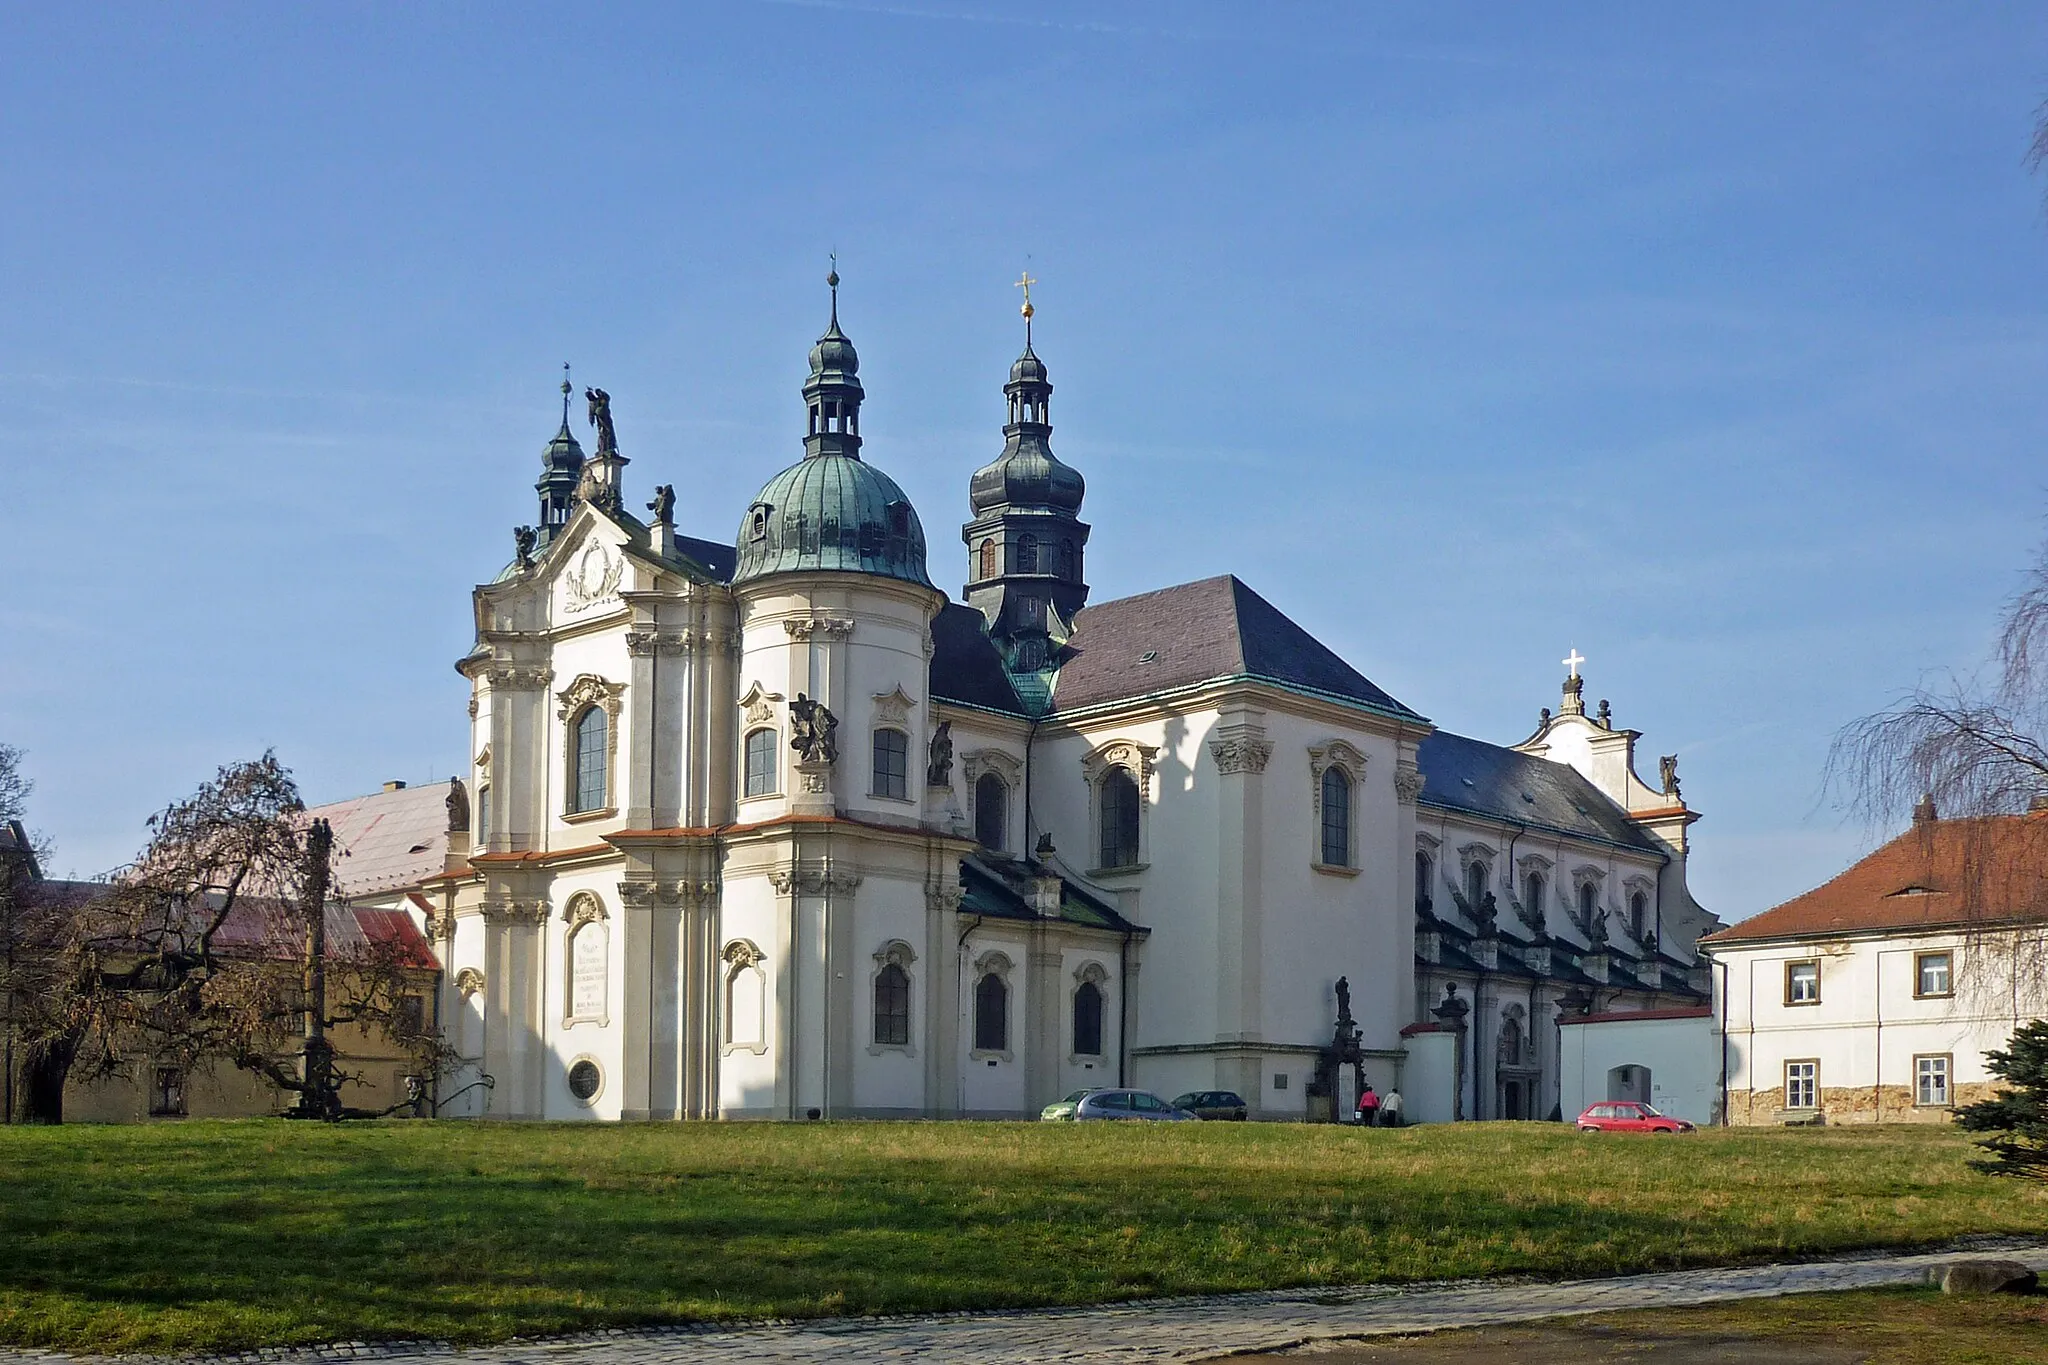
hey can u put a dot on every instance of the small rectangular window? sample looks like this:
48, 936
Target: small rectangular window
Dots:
1802, 983
167, 1096
1933, 975
1802, 1085
892, 764
1930, 1081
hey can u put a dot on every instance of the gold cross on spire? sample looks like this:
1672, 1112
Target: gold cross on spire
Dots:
1024, 282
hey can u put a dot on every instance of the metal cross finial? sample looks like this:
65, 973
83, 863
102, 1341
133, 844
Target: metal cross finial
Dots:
1024, 282
567, 389
1573, 660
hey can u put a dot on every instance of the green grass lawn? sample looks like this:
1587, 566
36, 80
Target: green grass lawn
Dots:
223, 1235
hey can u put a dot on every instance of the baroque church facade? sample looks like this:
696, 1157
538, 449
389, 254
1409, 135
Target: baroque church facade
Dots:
774, 829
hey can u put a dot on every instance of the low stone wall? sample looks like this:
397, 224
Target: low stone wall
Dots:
1851, 1104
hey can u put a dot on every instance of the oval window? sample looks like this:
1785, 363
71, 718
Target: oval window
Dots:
584, 1079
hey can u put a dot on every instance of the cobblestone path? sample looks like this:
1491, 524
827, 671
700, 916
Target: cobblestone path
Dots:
1151, 1330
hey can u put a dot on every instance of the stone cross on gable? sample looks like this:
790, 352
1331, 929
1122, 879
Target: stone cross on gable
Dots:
1573, 660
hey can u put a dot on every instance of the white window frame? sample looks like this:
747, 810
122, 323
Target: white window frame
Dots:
1930, 1066
1948, 973
1809, 1081
1793, 1001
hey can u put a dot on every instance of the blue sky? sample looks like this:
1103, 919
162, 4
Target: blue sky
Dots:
1710, 344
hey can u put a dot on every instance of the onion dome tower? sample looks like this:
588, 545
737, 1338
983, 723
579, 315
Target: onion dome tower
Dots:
831, 509
561, 474
1025, 542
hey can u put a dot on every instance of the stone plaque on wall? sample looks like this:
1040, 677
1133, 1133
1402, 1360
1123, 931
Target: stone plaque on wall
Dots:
586, 973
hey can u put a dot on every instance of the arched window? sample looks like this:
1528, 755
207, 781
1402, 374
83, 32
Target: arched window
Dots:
588, 791
1066, 559
988, 559
1638, 913
1027, 554
1336, 818
1425, 879
1119, 819
1532, 894
1476, 874
483, 816
991, 812
892, 1006
991, 1014
1509, 1051
1589, 901
892, 763
1088, 1019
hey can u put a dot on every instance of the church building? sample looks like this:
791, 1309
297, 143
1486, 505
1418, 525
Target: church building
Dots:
774, 828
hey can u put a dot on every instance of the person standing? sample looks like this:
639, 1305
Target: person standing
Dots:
1368, 1107
1390, 1109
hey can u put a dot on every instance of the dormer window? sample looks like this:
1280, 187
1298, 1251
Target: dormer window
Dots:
757, 521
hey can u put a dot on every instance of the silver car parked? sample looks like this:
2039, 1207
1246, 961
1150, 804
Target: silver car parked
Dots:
1129, 1104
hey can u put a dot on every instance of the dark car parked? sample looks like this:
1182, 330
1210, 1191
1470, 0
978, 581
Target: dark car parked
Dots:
1214, 1104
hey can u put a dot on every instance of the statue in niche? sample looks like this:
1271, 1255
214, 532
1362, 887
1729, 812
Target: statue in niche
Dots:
601, 418
458, 806
939, 771
812, 728
664, 504
1667, 767
523, 540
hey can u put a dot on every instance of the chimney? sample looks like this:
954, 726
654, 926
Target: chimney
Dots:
394, 786
1923, 813
2038, 803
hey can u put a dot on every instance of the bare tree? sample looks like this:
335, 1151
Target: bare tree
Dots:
1970, 748
212, 949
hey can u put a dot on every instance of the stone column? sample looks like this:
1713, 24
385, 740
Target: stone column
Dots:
1045, 993
942, 897
641, 1094
1240, 751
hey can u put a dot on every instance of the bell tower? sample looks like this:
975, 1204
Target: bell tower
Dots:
1026, 539
561, 474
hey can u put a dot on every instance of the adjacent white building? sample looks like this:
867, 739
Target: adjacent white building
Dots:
773, 828
1875, 997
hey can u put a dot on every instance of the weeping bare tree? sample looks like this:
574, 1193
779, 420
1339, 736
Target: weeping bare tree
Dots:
1971, 749
212, 950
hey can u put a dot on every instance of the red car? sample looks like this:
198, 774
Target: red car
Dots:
1628, 1116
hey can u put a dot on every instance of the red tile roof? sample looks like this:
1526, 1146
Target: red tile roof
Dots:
1939, 874
388, 840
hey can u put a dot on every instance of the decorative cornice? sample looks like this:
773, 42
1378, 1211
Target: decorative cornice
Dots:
1241, 754
943, 898
1408, 782
517, 677
814, 878
831, 627
660, 642
506, 910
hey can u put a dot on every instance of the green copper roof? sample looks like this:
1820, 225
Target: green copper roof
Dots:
832, 512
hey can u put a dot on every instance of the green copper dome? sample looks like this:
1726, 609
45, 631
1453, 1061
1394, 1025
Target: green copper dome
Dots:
831, 510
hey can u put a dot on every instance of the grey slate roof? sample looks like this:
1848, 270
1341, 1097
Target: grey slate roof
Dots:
1486, 779
997, 887
965, 665
1213, 628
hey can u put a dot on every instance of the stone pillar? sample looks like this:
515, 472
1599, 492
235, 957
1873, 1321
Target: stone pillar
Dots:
1452, 1013
641, 1093
1044, 1037
942, 896
1240, 751
640, 754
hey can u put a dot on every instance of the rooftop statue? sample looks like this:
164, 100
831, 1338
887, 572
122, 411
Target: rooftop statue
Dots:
601, 418
664, 504
458, 807
939, 772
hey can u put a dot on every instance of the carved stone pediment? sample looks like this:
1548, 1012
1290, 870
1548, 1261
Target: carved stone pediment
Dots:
1003, 765
893, 706
469, 981
1121, 753
584, 908
742, 952
590, 690
759, 705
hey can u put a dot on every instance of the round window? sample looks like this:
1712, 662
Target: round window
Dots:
584, 1079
